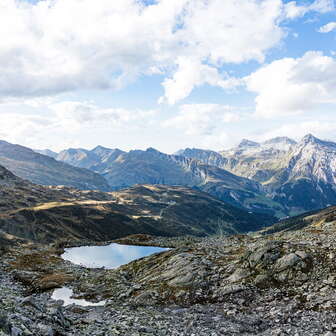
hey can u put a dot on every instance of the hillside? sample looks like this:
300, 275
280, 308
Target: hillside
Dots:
322, 221
50, 213
44, 170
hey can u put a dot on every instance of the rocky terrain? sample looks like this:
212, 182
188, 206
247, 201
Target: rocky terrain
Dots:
47, 213
279, 284
44, 170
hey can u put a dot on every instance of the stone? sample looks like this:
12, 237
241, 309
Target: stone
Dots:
286, 261
16, 331
238, 275
231, 289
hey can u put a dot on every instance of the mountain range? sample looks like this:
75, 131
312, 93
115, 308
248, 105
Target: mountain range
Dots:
285, 177
124, 169
46, 214
279, 176
299, 175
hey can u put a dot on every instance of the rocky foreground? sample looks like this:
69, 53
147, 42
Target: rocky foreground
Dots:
280, 284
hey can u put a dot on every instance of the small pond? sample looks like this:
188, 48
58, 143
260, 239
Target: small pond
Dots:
109, 256
65, 295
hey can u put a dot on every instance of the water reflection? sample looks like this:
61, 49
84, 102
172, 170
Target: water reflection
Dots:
110, 256
65, 295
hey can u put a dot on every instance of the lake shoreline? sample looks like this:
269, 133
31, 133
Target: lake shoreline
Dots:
208, 286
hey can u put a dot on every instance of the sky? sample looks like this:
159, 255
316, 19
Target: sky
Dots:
168, 74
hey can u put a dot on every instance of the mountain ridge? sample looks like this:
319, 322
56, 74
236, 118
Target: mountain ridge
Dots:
45, 170
124, 169
284, 168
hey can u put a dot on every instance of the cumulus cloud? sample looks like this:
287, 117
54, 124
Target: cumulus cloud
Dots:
76, 115
202, 119
328, 27
293, 85
66, 121
191, 73
294, 10
55, 46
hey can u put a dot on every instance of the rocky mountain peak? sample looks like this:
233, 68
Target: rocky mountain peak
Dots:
153, 150
42, 169
309, 138
100, 149
278, 140
248, 143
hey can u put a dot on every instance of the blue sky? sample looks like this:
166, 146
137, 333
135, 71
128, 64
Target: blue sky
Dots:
167, 74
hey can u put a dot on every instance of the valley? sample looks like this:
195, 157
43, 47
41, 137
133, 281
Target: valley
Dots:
218, 267
167, 168
268, 177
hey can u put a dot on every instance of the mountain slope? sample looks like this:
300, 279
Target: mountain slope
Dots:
314, 221
123, 169
301, 176
307, 179
42, 169
50, 213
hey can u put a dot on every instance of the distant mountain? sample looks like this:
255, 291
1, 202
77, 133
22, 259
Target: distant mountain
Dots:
306, 177
277, 176
47, 214
125, 169
97, 159
47, 152
260, 161
300, 176
208, 157
42, 169
249, 159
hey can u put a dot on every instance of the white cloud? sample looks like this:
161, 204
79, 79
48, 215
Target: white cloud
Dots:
202, 119
15, 127
328, 27
55, 46
76, 115
322, 6
191, 73
61, 123
323, 129
291, 86
293, 10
